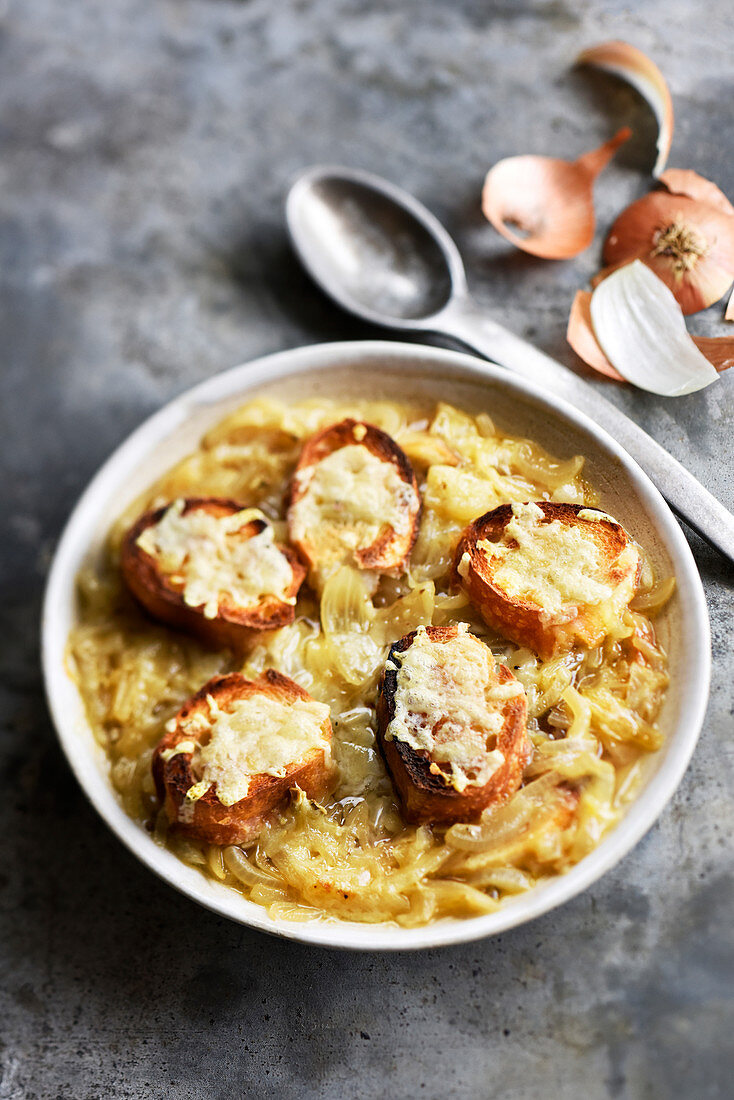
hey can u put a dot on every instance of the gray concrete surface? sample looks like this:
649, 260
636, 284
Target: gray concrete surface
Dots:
146, 147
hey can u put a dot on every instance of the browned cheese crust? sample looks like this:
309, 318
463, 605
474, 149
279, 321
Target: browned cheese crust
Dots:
207, 819
522, 620
391, 549
426, 797
237, 627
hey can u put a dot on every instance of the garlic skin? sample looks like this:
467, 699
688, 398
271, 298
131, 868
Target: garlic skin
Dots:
626, 61
550, 200
642, 332
688, 244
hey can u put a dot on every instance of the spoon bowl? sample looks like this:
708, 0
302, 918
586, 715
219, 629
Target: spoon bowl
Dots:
375, 250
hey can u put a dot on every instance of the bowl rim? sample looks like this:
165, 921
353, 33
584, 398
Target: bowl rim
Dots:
242, 380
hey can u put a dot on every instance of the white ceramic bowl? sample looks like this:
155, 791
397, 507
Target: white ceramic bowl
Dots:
396, 370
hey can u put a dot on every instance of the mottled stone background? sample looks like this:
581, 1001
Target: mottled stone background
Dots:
146, 149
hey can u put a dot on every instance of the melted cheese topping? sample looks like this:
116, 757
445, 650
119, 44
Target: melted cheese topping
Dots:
553, 565
258, 735
350, 497
448, 703
595, 515
210, 559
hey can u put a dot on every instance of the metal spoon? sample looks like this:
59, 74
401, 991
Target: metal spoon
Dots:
380, 254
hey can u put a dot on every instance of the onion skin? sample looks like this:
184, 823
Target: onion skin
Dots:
549, 199
719, 350
626, 61
684, 181
580, 335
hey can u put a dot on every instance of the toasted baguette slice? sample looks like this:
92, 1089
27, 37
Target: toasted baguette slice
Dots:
201, 764
353, 500
548, 575
466, 717
220, 619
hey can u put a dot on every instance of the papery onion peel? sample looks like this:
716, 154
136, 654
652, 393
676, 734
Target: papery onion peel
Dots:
642, 331
631, 64
719, 350
549, 200
580, 335
689, 244
684, 181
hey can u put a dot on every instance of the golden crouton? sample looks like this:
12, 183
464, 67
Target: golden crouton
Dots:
353, 500
548, 575
230, 727
451, 725
226, 580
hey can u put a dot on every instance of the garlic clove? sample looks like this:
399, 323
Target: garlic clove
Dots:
684, 181
642, 331
580, 335
689, 244
549, 200
626, 61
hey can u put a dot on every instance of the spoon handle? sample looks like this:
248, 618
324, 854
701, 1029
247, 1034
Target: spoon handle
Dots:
462, 320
